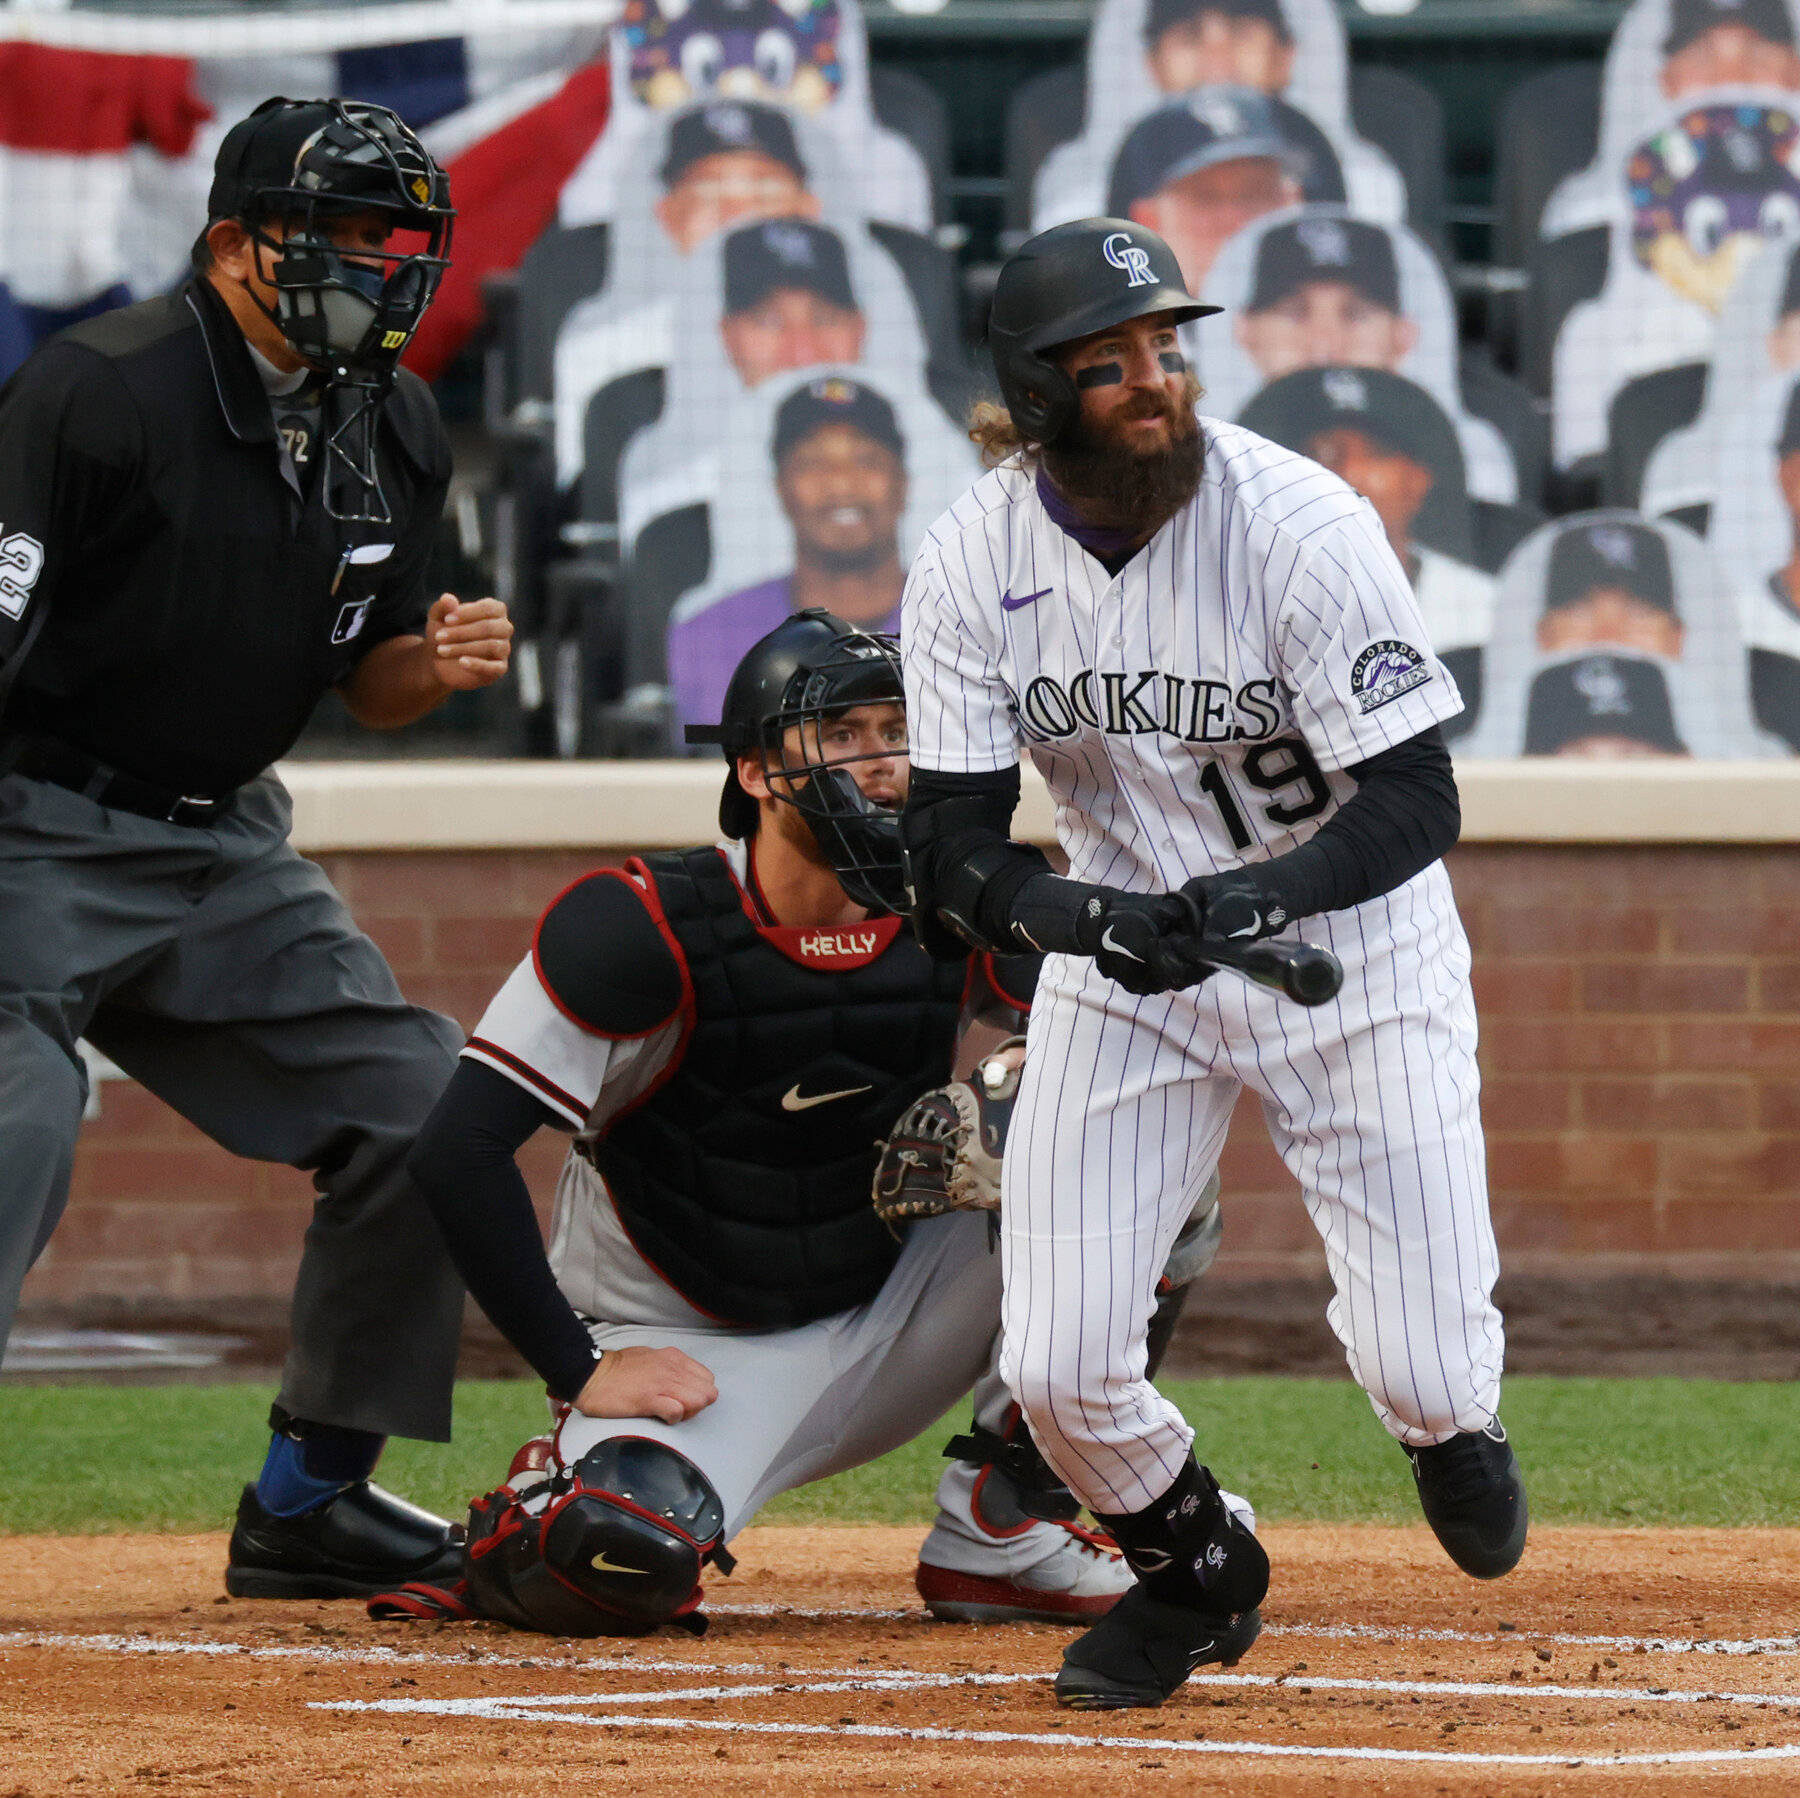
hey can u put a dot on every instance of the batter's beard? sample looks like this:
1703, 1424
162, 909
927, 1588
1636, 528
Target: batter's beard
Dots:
1120, 488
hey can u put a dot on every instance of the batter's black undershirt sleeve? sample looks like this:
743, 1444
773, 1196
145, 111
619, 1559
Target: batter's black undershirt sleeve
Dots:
463, 1163
1402, 817
961, 859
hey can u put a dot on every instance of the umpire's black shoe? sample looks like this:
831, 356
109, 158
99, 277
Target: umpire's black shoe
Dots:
1143, 1650
362, 1542
1474, 1499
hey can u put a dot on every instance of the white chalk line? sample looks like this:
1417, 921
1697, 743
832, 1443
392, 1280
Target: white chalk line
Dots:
548, 1657
1350, 1632
844, 1680
831, 1680
505, 1711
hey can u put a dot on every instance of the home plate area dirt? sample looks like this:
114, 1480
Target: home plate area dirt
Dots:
1612, 1661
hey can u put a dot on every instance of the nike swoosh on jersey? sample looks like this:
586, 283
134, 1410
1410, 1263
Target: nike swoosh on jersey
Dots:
792, 1101
605, 1566
1008, 603
1106, 942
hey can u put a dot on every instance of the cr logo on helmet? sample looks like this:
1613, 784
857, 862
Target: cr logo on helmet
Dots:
1121, 252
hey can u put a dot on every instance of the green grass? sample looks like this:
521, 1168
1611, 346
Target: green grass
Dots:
89, 1458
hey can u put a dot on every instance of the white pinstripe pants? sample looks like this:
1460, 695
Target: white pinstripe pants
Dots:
1372, 1101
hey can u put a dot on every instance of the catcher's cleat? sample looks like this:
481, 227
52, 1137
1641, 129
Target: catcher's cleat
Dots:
1143, 1650
989, 1559
363, 1542
1473, 1496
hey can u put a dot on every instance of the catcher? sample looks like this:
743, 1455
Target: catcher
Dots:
730, 1032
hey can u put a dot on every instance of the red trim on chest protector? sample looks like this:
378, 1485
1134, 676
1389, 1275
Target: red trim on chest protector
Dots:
837, 949
638, 879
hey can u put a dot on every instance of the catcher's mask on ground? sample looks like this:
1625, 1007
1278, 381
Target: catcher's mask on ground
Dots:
810, 670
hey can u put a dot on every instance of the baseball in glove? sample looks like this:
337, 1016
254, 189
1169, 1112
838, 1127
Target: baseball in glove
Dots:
944, 1151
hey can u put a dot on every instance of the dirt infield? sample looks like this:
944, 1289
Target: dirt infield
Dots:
1381, 1669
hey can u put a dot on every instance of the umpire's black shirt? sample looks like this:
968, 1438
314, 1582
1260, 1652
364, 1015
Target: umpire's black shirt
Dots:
187, 573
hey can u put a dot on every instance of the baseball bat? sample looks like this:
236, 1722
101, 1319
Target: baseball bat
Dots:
1306, 973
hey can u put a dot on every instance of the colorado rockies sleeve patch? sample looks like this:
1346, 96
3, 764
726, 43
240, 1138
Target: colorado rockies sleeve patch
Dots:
1384, 671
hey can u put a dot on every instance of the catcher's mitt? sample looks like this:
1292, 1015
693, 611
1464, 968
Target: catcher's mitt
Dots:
944, 1151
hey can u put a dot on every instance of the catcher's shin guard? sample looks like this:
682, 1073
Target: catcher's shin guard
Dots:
613, 1547
1018, 1485
1194, 1252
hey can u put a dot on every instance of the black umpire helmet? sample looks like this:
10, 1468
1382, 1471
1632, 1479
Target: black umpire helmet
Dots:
307, 160
808, 669
1064, 283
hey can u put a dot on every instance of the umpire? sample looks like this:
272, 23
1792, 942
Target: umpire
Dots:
215, 506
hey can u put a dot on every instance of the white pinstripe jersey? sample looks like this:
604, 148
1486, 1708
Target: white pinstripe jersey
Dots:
1195, 711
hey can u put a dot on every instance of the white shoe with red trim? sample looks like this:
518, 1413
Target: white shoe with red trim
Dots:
985, 1561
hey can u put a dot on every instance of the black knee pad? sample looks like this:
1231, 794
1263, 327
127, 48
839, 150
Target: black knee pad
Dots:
617, 1549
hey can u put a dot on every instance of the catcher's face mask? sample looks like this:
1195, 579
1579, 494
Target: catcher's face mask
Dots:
836, 752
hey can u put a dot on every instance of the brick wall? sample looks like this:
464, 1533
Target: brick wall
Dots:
1640, 1016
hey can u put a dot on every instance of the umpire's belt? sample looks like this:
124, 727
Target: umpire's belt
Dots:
44, 758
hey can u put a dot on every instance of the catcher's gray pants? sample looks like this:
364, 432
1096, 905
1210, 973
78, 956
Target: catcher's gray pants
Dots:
218, 967
796, 1405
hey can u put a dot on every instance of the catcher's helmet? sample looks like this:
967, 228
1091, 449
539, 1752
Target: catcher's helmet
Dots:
1063, 284
305, 160
808, 669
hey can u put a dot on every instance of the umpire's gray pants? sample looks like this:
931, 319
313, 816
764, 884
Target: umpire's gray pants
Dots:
218, 967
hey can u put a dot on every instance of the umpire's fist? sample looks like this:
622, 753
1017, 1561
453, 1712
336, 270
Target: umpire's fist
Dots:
469, 642
647, 1382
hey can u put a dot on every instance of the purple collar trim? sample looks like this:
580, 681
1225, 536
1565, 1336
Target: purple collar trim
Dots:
1105, 543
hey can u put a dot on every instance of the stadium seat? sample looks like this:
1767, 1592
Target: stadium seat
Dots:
907, 104
1643, 412
1040, 114
671, 556
1404, 119
1498, 530
1560, 274
558, 272
1548, 127
616, 413
1510, 408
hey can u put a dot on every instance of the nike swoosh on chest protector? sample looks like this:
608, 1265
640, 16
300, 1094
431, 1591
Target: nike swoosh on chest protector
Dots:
792, 1101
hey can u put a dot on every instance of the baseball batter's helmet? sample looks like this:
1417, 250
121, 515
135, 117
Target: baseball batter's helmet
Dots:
1063, 284
306, 160
808, 669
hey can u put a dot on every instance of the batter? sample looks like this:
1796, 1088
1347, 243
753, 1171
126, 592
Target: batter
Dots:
1208, 648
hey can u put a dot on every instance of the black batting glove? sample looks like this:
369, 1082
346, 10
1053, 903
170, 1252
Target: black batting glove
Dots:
1232, 905
1129, 936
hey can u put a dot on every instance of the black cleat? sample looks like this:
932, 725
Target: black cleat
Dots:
1473, 1497
360, 1543
1143, 1650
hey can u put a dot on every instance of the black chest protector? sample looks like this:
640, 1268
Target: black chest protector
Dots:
744, 1177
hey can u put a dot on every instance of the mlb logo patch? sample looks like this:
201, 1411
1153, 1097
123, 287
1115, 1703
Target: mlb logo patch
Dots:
352, 616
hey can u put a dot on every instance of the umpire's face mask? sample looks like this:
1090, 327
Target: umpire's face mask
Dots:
339, 300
